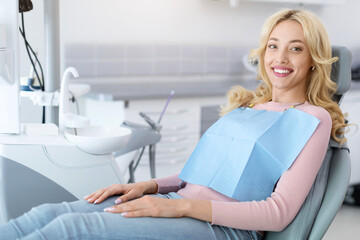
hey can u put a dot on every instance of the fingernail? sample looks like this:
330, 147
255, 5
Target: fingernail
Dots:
117, 201
110, 209
86, 196
95, 201
124, 214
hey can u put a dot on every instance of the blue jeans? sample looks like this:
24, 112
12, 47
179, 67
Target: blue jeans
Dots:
81, 220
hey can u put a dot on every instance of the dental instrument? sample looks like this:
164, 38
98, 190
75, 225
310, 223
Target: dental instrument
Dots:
166, 105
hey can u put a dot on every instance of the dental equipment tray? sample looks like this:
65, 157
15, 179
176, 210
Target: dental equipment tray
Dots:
141, 136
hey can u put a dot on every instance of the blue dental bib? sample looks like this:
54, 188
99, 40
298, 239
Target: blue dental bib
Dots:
245, 152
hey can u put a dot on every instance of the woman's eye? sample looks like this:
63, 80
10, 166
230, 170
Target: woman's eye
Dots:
272, 46
296, 49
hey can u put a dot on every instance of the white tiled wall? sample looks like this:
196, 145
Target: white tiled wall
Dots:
93, 60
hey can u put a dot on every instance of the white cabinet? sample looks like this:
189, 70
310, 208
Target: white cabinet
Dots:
180, 125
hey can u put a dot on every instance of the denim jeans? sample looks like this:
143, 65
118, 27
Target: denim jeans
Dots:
81, 220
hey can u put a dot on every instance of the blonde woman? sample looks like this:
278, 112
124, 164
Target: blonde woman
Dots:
231, 187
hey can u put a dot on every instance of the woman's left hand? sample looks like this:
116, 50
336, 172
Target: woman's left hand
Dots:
150, 206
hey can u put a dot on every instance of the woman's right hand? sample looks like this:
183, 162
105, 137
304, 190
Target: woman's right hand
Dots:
128, 191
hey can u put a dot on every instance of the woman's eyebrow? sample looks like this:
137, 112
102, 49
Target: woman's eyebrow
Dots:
297, 40
292, 41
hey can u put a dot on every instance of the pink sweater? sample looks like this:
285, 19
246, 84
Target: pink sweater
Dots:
278, 210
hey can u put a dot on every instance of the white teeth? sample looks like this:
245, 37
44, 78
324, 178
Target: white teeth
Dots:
281, 71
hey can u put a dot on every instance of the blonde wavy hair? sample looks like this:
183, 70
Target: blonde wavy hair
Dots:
320, 88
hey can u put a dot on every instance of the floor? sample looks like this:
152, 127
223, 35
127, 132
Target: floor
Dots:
344, 226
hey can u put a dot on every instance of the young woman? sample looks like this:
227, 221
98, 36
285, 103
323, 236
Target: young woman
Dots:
294, 61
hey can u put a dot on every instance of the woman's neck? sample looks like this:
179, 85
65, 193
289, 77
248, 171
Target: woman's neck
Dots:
287, 97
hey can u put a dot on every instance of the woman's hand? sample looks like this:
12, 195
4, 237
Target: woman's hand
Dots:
150, 206
128, 191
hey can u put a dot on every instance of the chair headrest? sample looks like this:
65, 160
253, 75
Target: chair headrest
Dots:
341, 69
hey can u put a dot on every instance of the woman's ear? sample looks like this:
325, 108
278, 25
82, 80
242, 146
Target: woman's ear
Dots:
312, 65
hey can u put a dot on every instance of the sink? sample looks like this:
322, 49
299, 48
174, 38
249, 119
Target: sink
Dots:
99, 140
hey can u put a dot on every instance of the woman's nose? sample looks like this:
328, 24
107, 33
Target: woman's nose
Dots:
282, 56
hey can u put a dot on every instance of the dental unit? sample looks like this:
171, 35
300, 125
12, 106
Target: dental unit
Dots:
45, 163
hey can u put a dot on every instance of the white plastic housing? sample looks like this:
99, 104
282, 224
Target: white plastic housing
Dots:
2, 36
9, 70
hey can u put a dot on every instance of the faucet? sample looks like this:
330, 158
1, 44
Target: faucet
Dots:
66, 118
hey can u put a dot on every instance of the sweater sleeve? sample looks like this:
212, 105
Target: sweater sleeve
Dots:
278, 210
169, 184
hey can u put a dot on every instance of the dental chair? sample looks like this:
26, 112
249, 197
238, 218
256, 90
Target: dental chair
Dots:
329, 189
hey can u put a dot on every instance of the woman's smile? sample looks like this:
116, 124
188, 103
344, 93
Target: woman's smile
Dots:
282, 71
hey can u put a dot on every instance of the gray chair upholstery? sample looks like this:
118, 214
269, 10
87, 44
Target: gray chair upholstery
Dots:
341, 71
329, 189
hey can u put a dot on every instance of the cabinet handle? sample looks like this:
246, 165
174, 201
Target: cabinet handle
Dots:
172, 150
172, 139
165, 160
175, 128
174, 160
168, 150
168, 111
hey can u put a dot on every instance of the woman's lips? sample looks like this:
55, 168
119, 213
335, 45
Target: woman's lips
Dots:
282, 71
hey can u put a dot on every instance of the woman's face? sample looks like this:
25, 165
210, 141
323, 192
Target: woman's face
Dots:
287, 60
